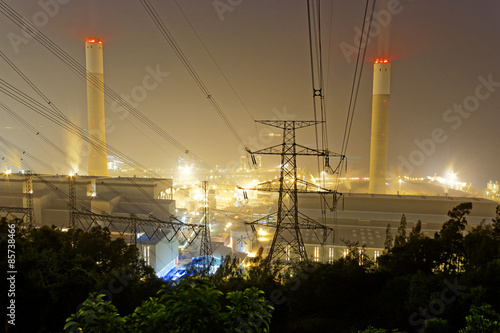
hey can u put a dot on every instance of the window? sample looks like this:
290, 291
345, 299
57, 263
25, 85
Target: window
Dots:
346, 253
376, 254
316, 253
331, 254
146, 255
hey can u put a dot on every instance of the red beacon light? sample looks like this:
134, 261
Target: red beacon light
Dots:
93, 40
382, 61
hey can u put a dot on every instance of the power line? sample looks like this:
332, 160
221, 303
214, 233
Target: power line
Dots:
49, 114
215, 62
177, 50
357, 79
78, 69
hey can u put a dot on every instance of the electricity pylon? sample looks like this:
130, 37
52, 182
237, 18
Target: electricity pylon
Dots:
30, 212
206, 243
287, 246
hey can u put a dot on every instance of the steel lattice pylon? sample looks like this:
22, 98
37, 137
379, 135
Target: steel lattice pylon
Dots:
206, 243
72, 201
30, 212
287, 245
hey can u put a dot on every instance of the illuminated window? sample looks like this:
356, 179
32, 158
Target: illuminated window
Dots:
146, 255
331, 254
376, 254
346, 253
316, 253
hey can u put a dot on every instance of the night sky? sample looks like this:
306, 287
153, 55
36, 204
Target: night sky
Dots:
440, 52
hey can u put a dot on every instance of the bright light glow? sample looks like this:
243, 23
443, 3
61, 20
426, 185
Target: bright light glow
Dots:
93, 40
186, 170
451, 176
8, 172
262, 232
449, 181
382, 61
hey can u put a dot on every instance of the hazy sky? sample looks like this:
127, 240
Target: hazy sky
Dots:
445, 78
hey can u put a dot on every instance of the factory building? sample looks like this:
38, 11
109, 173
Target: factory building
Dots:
125, 197
363, 218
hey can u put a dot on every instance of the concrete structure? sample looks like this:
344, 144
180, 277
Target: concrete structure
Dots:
159, 253
380, 123
364, 218
142, 197
97, 158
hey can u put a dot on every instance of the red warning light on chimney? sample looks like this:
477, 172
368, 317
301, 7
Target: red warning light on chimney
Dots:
93, 40
382, 61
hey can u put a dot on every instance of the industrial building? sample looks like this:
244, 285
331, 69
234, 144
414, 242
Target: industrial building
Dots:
118, 197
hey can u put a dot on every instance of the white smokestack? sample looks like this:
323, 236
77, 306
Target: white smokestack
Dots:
380, 124
98, 161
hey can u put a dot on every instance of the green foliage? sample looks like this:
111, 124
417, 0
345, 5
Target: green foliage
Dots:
95, 315
451, 236
248, 311
416, 231
400, 239
57, 270
496, 222
437, 325
371, 329
482, 319
388, 238
229, 269
193, 305
149, 317
356, 255
348, 295
480, 246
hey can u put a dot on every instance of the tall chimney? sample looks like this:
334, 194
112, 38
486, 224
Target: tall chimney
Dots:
98, 161
380, 122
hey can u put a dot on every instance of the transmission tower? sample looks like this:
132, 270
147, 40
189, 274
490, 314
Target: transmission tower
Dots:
30, 212
206, 244
72, 201
287, 245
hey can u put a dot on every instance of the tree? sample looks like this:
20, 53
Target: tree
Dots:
58, 269
496, 222
416, 231
371, 329
193, 305
437, 325
480, 246
248, 311
95, 315
451, 236
388, 238
401, 236
482, 319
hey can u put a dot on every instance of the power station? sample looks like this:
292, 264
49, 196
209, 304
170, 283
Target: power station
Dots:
380, 124
97, 158
142, 209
